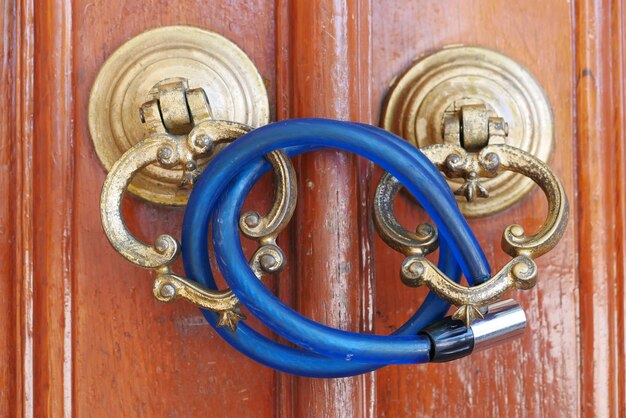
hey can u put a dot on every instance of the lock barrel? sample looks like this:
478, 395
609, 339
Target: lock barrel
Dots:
450, 339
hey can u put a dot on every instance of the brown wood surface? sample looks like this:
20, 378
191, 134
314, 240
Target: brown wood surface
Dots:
16, 228
81, 332
601, 111
320, 46
537, 375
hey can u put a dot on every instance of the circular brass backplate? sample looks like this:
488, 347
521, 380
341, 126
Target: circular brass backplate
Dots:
459, 75
233, 85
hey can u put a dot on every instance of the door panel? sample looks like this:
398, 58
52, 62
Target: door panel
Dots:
85, 335
127, 344
125, 354
510, 380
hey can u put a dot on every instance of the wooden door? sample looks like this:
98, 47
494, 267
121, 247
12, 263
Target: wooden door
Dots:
81, 333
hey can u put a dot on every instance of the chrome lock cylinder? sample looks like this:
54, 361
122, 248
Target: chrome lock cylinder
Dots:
502, 322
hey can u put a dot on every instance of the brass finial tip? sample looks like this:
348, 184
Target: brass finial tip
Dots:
492, 160
167, 291
268, 261
252, 220
203, 141
517, 231
164, 153
425, 229
416, 268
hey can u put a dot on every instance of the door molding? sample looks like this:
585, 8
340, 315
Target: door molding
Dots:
601, 168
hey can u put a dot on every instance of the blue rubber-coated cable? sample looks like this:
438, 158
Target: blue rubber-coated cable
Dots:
412, 169
298, 329
323, 133
300, 362
370, 339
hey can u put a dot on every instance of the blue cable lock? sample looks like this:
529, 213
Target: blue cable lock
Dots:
326, 352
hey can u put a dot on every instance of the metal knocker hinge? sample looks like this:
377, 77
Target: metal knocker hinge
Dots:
472, 128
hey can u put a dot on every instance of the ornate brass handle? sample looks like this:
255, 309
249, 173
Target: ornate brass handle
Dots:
171, 151
422, 242
448, 104
182, 129
493, 160
182, 134
488, 162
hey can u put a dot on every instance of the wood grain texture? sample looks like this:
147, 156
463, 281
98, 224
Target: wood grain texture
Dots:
601, 110
53, 210
84, 336
8, 232
618, 50
16, 209
134, 356
320, 47
537, 375
8, 311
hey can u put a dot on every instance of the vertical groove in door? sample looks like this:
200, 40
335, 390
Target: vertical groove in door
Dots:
24, 144
16, 226
285, 383
600, 114
53, 187
9, 352
323, 70
619, 131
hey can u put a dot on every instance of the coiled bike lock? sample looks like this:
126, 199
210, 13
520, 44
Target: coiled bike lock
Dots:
184, 153
324, 352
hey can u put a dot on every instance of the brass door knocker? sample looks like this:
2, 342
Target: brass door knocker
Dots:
473, 147
187, 136
180, 134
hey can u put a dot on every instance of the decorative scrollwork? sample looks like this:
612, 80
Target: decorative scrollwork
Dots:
520, 272
169, 287
422, 242
176, 151
167, 151
269, 258
496, 159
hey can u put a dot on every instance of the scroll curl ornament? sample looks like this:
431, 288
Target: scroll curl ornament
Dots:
420, 243
175, 151
521, 272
